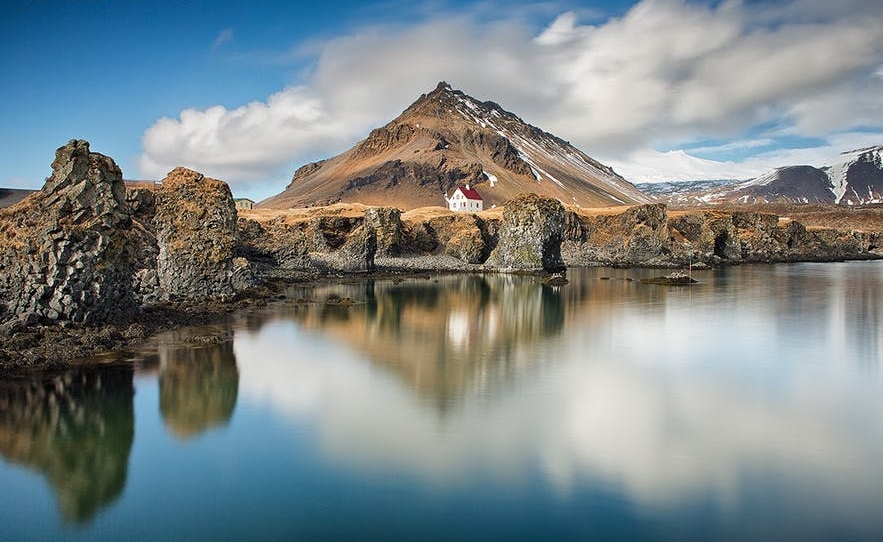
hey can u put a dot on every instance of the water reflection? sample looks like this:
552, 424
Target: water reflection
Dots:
77, 430
749, 406
727, 392
443, 337
198, 381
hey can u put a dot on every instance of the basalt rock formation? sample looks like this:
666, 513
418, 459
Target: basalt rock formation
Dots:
85, 251
196, 234
539, 234
636, 236
66, 251
649, 236
530, 235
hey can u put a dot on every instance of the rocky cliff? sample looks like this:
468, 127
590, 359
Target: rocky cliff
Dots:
649, 236
530, 235
66, 251
533, 233
196, 235
84, 250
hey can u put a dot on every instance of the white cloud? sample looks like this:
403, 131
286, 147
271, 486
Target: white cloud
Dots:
648, 165
629, 418
224, 36
665, 73
251, 141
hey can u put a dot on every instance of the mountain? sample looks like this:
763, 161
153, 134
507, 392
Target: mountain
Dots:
446, 139
857, 177
11, 196
671, 188
853, 178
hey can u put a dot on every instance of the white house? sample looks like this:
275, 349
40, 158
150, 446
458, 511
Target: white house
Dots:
465, 199
243, 203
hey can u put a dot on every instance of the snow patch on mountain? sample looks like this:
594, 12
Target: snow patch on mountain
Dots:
838, 171
542, 147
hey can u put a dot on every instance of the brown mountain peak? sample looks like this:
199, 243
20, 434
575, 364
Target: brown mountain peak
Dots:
446, 138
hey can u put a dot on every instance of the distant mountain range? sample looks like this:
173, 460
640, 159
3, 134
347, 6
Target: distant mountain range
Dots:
446, 139
11, 196
853, 178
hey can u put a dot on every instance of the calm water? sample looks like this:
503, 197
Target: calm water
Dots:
749, 406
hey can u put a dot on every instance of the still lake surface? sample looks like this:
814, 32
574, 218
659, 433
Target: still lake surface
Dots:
749, 406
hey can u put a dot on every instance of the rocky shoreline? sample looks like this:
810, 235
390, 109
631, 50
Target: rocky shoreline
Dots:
88, 265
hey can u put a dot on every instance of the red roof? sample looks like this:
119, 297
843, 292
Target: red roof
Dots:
470, 193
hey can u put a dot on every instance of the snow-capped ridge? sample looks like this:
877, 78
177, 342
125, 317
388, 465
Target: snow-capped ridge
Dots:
852, 178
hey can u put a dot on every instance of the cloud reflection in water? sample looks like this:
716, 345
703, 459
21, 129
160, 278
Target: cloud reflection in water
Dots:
664, 396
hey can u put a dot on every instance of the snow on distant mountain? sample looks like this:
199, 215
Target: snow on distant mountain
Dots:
853, 178
652, 166
670, 188
857, 176
447, 138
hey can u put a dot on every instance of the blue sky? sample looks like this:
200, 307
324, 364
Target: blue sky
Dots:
249, 91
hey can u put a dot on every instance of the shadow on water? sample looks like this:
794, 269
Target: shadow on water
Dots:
198, 382
75, 428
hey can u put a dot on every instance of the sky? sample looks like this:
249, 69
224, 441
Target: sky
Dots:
247, 92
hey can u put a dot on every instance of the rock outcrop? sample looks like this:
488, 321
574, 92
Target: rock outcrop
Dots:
465, 237
530, 235
386, 222
639, 234
66, 252
325, 241
196, 235
85, 250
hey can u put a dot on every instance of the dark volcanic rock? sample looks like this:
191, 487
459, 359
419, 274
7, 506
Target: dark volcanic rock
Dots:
145, 282
674, 279
387, 225
637, 236
356, 254
530, 235
65, 253
196, 235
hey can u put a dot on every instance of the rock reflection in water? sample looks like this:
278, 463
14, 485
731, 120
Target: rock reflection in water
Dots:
198, 382
665, 396
443, 337
76, 429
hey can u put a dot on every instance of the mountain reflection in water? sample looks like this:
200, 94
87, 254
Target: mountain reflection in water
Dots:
444, 337
667, 394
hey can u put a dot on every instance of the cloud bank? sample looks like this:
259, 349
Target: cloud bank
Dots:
665, 75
